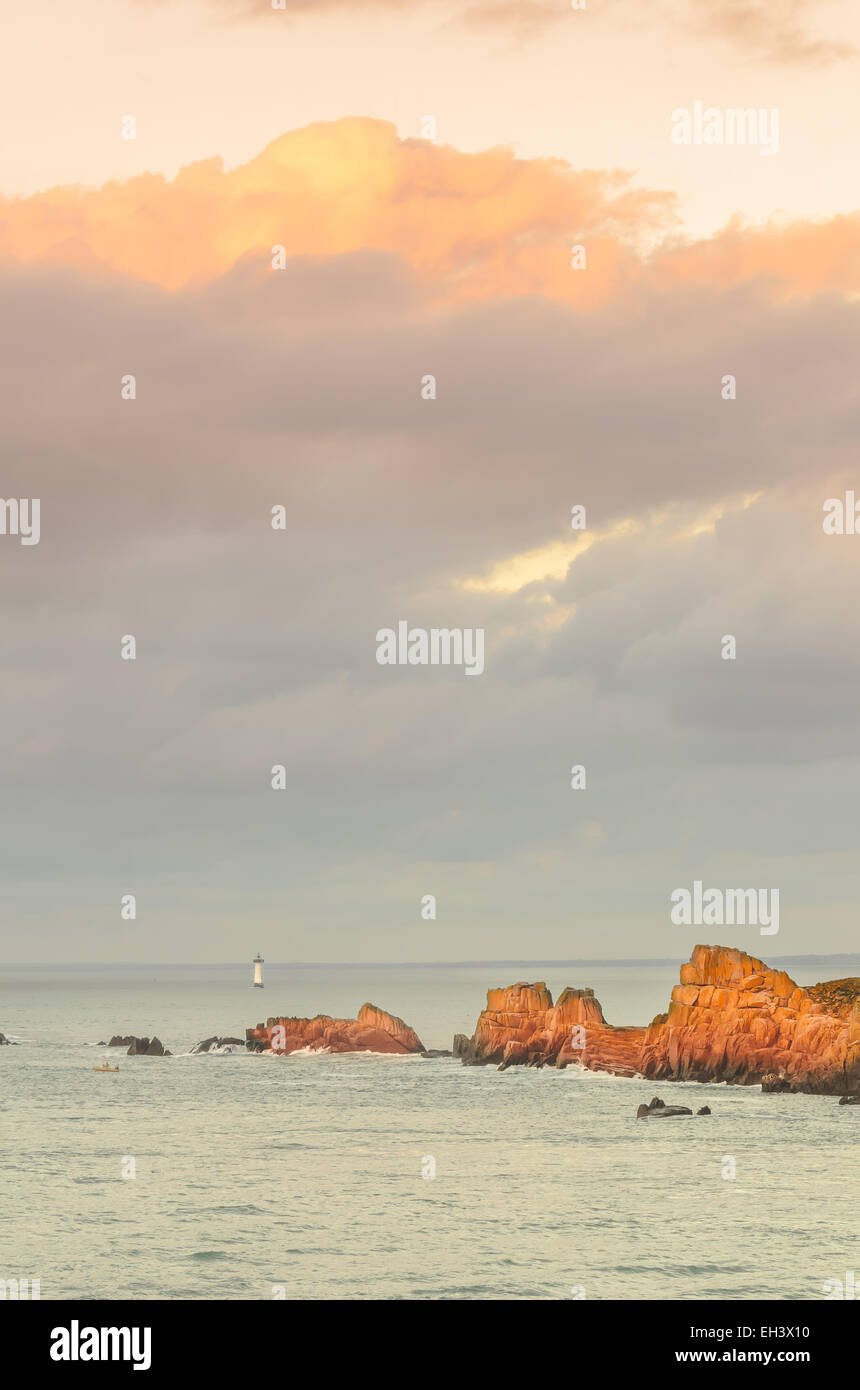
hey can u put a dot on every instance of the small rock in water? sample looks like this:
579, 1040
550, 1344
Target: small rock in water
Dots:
659, 1110
849, 1100
705, 1110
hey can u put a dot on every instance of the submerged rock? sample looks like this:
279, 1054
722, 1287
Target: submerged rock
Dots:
373, 1030
659, 1110
849, 1100
731, 1018
6, 1042
208, 1043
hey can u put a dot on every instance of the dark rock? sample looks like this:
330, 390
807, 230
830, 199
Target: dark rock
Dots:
469, 1055
659, 1110
773, 1083
117, 1041
4, 1041
209, 1043
705, 1110
849, 1100
436, 1052
145, 1047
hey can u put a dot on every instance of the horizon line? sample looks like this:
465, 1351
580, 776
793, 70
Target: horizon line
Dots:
391, 964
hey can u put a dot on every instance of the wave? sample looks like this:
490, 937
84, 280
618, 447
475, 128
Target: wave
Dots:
327, 1052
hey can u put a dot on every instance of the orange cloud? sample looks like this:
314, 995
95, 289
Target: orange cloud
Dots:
470, 226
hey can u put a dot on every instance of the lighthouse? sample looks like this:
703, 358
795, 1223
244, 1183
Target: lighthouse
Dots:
258, 971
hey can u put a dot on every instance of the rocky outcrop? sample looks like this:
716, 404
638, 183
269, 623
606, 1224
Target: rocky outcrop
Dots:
144, 1047
731, 1018
138, 1047
373, 1030
4, 1041
208, 1044
659, 1110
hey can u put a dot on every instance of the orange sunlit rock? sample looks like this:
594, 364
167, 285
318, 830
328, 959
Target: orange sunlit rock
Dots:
373, 1030
731, 1019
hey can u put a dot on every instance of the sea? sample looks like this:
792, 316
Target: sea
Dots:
234, 1175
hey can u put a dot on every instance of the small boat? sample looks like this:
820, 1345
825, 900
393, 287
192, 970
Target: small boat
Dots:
105, 1068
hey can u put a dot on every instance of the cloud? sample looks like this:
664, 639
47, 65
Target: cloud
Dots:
465, 227
469, 225
777, 31
257, 647
781, 32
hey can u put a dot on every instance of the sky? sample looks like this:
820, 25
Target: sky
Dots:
425, 171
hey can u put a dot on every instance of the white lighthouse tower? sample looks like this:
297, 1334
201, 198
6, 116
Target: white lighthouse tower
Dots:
258, 971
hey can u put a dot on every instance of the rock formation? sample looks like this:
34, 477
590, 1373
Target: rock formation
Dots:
138, 1047
659, 1110
208, 1043
143, 1047
373, 1031
4, 1041
731, 1018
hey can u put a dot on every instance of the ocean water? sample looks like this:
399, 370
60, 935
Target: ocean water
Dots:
301, 1177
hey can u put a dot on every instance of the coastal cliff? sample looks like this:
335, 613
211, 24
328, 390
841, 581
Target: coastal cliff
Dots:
373, 1030
731, 1018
